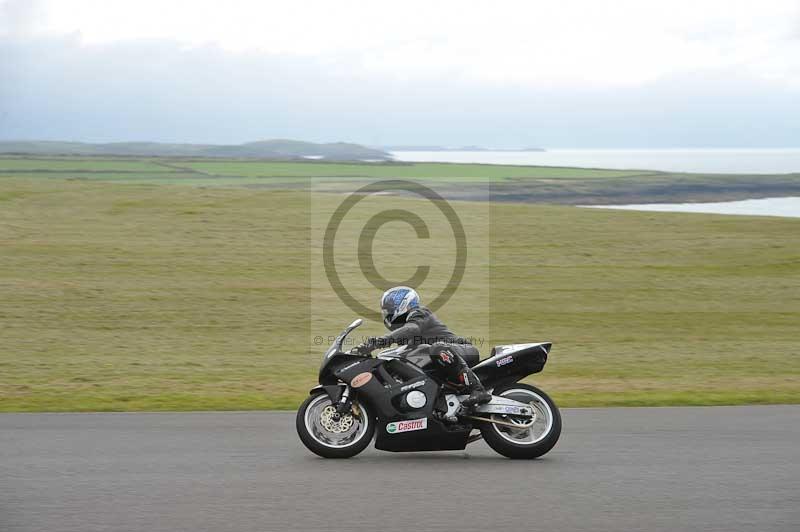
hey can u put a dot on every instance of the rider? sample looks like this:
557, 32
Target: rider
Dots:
413, 325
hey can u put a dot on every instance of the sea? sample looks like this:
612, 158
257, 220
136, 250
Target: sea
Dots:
789, 207
716, 161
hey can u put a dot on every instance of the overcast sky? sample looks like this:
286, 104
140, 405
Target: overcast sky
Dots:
581, 73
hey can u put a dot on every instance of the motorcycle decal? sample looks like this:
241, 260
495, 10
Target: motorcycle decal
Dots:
342, 370
412, 386
505, 360
360, 380
396, 427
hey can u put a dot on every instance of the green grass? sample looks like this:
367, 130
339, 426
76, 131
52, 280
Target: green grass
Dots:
152, 297
504, 183
438, 171
9, 164
304, 169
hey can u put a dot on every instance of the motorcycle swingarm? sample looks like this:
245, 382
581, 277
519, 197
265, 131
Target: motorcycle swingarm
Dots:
502, 405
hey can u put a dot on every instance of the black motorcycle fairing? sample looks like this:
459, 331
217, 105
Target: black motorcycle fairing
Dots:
420, 355
437, 436
384, 391
328, 370
335, 354
433, 436
387, 382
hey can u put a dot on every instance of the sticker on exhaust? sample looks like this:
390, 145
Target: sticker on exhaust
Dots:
505, 360
396, 427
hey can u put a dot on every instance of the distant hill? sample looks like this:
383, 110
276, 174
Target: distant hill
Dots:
264, 149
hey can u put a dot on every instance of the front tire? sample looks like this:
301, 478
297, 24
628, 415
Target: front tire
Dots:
527, 443
331, 437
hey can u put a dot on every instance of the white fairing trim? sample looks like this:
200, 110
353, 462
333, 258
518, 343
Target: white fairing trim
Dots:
393, 352
501, 351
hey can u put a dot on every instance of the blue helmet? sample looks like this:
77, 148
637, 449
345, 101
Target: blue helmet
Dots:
395, 305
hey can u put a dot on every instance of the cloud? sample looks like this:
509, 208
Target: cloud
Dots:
59, 88
20, 17
402, 82
526, 42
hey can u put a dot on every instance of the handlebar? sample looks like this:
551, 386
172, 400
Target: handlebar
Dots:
357, 352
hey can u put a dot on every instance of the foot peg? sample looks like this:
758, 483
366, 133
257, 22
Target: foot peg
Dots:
478, 397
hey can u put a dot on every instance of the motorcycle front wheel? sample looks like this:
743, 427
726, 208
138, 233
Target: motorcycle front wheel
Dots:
524, 442
329, 434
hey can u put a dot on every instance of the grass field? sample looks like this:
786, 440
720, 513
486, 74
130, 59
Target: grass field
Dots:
120, 296
11, 164
439, 171
267, 169
528, 184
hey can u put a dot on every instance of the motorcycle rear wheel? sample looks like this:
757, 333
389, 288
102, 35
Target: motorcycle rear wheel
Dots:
329, 436
525, 443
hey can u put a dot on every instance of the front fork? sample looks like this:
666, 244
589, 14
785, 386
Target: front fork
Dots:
345, 403
341, 397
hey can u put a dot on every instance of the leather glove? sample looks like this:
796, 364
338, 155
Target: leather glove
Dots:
372, 344
364, 349
378, 342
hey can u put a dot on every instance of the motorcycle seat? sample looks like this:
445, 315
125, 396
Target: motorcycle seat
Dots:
469, 353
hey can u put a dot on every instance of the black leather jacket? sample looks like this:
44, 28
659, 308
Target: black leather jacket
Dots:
422, 327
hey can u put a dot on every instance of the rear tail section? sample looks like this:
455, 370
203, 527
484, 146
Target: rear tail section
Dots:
510, 363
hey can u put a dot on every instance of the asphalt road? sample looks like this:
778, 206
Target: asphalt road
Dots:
645, 469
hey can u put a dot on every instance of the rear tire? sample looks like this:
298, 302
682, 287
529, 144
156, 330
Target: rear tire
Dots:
528, 443
327, 438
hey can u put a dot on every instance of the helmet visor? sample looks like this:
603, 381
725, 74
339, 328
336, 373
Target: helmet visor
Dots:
387, 317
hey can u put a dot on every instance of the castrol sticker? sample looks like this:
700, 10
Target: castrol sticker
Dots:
407, 426
360, 380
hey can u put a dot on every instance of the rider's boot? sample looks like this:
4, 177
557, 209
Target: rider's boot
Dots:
472, 385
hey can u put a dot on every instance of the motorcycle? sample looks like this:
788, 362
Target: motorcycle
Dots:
396, 395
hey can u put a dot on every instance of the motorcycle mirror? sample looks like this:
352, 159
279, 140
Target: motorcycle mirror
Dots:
356, 323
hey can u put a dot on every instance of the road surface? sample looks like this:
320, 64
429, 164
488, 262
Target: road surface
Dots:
645, 469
